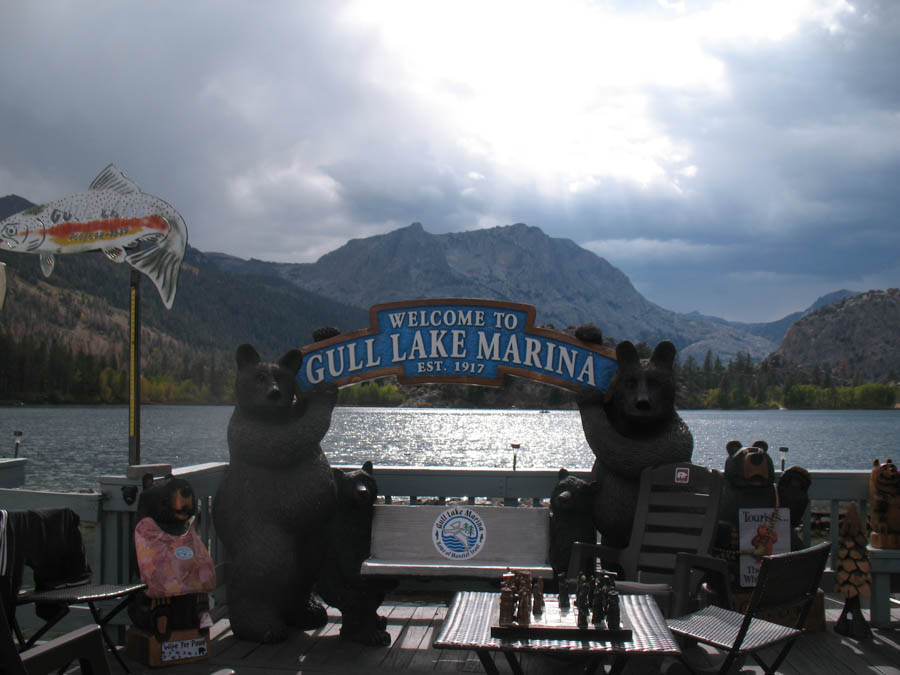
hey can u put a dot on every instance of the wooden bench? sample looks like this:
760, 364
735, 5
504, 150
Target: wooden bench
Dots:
884, 562
458, 542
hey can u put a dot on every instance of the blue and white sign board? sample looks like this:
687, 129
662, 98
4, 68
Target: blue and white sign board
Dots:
454, 340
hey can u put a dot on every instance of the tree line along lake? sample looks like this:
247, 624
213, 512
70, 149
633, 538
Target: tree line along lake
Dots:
68, 447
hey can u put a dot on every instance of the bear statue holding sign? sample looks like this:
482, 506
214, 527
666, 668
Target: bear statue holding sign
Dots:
275, 502
634, 427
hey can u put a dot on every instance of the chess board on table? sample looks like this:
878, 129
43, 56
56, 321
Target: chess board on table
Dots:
562, 624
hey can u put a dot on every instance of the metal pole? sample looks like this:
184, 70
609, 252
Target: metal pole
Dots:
134, 372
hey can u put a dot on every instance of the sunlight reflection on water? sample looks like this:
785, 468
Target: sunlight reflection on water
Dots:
69, 446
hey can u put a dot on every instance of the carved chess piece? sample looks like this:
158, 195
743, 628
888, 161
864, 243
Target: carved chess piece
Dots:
613, 611
583, 600
563, 584
538, 593
598, 601
507, 602
524, 610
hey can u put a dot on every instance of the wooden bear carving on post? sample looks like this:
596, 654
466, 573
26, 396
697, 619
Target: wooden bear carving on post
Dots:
884, 494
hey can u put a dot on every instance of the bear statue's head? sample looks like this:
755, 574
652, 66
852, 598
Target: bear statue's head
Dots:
356, 489
644, 394
885, 479
267, 389
749, 467
572, 496
171, 503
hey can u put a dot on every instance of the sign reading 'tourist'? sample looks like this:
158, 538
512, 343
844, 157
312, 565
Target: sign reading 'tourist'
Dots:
468, 341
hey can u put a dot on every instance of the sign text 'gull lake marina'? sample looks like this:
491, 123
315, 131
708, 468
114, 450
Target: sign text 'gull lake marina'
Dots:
466, 341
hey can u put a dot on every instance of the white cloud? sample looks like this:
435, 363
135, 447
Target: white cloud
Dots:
648, 250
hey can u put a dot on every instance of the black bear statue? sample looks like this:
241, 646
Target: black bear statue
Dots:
571, 518
632, 427
277, 499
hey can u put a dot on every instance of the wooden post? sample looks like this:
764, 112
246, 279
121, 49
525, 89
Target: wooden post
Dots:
134, 372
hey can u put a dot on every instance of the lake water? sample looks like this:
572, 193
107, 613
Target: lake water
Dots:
68, 446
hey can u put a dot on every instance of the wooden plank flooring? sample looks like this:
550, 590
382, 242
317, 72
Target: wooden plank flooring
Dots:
414, 625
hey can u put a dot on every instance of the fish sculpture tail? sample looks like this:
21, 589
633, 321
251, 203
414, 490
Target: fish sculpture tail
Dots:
161, 263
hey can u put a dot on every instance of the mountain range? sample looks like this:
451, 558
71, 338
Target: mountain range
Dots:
567, 284
224, 300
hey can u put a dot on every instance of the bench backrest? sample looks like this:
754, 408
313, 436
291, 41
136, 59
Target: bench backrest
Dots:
512, 535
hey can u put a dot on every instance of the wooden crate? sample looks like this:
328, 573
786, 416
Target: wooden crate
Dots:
183, 646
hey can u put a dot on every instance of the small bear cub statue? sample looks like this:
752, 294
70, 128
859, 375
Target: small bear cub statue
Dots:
340, 583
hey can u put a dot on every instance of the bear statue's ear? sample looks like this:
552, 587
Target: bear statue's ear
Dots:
663, 355
588, 332
626, 353
324, 333
246, 356
733, 446
291, 361
368, 468
762, 445
562, 474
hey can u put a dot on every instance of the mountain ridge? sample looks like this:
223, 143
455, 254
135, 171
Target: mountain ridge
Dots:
567, 284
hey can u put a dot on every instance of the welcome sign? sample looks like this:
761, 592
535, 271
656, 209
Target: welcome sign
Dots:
455, 340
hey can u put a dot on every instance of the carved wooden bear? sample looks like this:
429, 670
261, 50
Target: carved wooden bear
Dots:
884, 493
571, 518
634, 427
340, 583
171, 601
750, 484
274, 505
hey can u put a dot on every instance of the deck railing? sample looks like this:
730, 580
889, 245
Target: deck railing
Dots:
113, 516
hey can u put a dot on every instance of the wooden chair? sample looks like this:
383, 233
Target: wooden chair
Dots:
676, 514
84, 644
786, 581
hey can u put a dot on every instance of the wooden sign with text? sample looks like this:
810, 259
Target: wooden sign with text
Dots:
455, 340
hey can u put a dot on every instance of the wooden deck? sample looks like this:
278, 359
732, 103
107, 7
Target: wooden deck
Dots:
413, 626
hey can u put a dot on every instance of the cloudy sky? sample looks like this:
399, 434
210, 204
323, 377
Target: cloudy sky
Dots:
736, 158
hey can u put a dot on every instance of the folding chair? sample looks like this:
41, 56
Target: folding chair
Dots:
786, 581
676, 514
84, 644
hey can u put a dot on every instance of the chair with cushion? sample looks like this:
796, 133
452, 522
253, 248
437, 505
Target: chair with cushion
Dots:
676, 514
786, 582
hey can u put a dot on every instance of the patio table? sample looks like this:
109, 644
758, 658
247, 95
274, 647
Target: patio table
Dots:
471, 615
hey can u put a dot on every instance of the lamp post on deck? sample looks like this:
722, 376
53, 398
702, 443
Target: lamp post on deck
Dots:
17, 439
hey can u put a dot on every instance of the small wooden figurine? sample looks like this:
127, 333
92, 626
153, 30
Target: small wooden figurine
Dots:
852, 576
884, 494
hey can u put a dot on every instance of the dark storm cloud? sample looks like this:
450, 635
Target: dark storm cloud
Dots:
280, 130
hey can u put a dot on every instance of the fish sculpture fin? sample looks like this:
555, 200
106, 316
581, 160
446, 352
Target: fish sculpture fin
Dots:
115, 253
161, 264
112, 178
48, 262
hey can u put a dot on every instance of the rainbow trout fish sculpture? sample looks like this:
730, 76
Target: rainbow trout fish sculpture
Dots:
112, 216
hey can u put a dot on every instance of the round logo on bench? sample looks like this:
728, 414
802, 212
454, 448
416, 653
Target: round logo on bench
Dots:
459, 533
